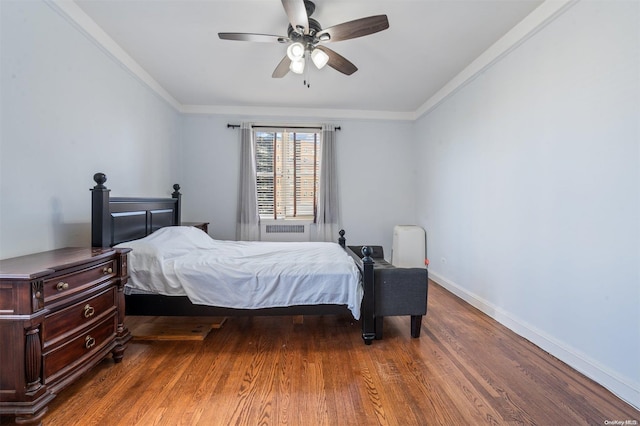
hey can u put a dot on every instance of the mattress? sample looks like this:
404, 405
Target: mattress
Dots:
184, 261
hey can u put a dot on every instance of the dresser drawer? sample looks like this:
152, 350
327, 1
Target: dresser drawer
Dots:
65, 321
76, 349
68, 284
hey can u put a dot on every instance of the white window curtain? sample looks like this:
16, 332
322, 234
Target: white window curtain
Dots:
328, 212
248, 220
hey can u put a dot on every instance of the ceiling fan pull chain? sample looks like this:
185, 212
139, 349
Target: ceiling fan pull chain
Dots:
306, 81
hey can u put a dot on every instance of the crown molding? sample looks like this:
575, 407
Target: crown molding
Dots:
530, 25
297, 112
544, 14
69, 10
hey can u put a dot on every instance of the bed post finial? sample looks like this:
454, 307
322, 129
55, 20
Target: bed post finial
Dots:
367, 252
100, 179
342, 240
100, 213
178, 196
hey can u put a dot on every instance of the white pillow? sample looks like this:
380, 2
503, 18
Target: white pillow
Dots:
171, 238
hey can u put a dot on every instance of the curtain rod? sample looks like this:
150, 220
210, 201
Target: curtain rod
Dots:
237, 126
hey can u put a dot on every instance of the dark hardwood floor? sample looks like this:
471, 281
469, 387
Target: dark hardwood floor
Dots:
465, 369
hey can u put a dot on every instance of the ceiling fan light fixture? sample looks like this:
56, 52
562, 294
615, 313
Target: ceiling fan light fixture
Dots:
297, 66
303, 35
295, 51
319, 58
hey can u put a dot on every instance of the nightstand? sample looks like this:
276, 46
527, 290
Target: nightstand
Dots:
204, 226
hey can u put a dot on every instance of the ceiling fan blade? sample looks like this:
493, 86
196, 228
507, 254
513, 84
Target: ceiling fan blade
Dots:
283, 68
357, 28
264, 38
297, 14
338, 62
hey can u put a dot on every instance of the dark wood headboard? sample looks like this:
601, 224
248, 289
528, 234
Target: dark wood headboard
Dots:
118, 219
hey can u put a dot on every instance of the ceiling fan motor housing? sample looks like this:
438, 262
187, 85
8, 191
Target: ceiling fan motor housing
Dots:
306, 39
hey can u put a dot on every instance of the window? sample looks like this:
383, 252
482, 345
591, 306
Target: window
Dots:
287, 164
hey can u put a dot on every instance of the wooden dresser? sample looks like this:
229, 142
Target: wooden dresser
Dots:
61, 312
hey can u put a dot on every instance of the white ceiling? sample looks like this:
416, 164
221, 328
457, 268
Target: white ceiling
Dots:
427, 44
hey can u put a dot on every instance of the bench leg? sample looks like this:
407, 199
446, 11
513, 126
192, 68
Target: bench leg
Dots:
416, 324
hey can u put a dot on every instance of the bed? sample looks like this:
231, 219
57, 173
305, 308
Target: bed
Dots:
300, 285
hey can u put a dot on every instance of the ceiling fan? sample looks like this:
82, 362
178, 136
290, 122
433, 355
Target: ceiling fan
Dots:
305, 36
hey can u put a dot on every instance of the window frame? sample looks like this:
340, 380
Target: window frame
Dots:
277, 130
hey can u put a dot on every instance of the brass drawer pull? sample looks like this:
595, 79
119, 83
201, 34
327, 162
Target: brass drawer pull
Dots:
62, 286
88, 311
106, 270
89, 342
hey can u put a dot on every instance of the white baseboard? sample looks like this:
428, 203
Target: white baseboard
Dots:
619, 386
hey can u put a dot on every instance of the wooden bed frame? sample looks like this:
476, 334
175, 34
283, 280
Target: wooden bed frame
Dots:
118, 219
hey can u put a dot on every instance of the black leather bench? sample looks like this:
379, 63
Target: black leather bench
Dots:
397, 291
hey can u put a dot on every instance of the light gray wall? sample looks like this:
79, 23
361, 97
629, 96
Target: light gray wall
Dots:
530, 191
376, 178
69, 111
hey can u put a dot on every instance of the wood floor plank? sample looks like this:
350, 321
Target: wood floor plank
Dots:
464, 369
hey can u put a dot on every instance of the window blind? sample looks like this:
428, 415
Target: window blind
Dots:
287, 164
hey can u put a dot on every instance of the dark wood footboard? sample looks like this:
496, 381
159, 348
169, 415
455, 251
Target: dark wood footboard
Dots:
367, 308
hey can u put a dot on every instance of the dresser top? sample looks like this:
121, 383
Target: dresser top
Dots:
39, 264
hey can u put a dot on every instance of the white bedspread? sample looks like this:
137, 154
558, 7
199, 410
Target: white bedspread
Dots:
184, 261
